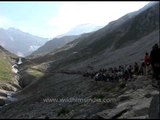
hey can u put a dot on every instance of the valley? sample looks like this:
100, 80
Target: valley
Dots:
31, 87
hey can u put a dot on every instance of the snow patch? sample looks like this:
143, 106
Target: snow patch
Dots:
33, 47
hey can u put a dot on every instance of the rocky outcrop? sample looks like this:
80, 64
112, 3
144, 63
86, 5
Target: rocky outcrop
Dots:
138, 102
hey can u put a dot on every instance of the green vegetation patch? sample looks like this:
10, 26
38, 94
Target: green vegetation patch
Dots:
5, 69
35, 73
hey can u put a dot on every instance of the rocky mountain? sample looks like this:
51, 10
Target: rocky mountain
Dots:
54, 44
54, 87
18, 42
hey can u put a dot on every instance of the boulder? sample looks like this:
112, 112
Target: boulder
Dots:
154, 110
3, 94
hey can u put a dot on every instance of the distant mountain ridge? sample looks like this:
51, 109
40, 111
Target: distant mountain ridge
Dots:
20, 43
81, 29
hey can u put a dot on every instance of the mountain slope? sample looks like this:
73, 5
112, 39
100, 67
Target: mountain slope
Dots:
5, 66
18, 42
54, 44
115, 36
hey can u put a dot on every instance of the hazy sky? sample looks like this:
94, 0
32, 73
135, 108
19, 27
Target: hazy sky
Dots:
49, 19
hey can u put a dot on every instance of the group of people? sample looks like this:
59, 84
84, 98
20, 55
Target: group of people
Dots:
122, 72
149, 66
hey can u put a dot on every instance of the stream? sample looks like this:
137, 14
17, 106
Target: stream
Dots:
15, 66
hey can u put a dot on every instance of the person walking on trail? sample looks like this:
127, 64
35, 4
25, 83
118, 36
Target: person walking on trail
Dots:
147, 63
136, 68
155, 61
142, 69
